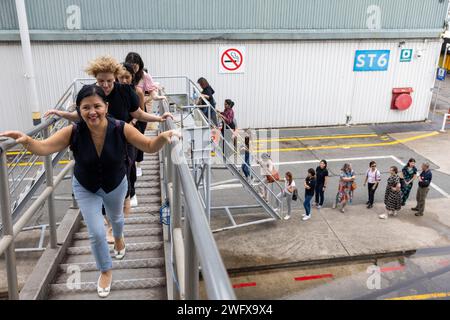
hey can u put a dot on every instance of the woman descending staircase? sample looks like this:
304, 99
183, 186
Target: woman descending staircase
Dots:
141, 274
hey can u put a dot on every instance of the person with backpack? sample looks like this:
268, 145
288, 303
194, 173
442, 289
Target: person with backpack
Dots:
373, 178
310, 186
268, 171
99, 145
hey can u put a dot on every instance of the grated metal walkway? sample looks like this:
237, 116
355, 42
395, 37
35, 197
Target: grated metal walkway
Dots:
141, 274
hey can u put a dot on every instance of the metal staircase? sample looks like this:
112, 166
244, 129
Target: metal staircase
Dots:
227, 154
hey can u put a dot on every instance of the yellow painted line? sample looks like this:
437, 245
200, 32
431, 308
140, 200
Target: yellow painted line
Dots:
427, 296
352, 136
350, 146
38, 163
14, 153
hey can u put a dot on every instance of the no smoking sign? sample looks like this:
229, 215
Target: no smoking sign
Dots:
232, 60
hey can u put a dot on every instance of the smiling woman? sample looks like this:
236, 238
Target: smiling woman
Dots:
99, 145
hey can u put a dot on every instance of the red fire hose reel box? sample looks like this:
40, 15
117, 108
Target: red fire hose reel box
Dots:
401, 98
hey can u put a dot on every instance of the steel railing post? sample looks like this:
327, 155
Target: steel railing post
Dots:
191, 263
5, 205
48, 163
74, 201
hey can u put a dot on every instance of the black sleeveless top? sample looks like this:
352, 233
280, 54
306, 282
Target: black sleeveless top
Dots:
108, 170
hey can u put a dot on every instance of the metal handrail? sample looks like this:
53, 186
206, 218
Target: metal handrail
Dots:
198, 238
10, 227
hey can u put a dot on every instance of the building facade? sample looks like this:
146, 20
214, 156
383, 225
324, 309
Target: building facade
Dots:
285, 63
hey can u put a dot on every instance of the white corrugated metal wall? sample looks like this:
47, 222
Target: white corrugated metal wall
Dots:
286, 83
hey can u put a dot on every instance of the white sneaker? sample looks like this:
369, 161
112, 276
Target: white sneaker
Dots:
395, 213
319, 207
383, 216
134, 202
305, 218
287, 217
138, 172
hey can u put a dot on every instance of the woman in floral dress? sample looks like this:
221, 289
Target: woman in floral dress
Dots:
393, 196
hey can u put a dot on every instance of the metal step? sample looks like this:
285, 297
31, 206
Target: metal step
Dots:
147, 192
118, 264
118, 274
128, 240
130, 248
146, 184
137, 294
155, 199
132, 226
130, 255
145, 209
135, 220
132, 284
149, 177
127, 233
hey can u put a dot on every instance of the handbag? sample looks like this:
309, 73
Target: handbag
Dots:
276, 175
295, 195
354, 186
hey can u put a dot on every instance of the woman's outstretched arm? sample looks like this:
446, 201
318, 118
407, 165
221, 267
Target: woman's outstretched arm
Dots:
146, 144
57, 142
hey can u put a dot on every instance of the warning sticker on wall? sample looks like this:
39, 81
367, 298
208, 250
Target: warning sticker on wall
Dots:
232, 59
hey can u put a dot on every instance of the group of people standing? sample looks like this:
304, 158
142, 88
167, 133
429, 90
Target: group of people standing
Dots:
107, 140
398, 188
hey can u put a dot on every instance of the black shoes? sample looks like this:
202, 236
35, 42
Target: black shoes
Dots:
418, 214
370, 206
414, 209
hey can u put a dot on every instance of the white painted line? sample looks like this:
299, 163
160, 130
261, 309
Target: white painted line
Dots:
434, 186
329, 160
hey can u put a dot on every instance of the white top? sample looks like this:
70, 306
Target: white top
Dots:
373, 176
266, 167
286, 185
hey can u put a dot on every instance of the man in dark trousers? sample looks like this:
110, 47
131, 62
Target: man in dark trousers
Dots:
424, 186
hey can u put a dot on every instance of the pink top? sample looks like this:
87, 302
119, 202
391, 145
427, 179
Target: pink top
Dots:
146, 83
228, 114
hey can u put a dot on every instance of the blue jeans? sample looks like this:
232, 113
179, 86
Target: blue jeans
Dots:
91, 208
307, 204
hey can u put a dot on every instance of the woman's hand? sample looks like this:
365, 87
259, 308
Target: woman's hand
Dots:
52, 112
166, 115
20, 137
171, 133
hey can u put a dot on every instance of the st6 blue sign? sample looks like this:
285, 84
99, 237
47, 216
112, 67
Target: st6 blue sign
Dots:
371, 60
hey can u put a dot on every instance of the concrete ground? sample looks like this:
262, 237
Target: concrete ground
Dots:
435, 148
330, 235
